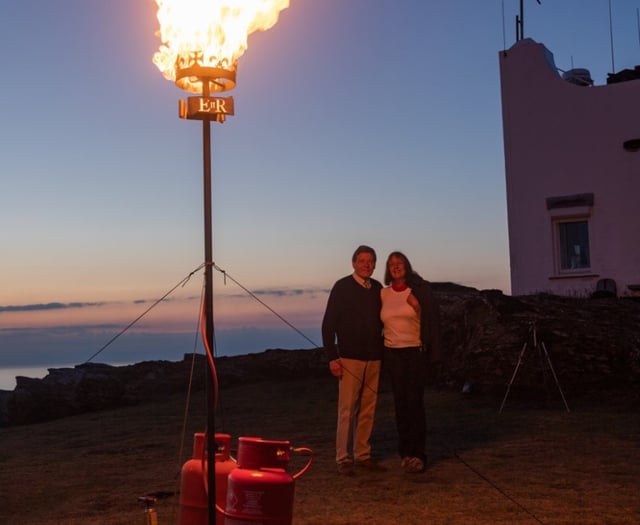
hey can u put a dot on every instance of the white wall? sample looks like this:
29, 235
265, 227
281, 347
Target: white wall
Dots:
563, 139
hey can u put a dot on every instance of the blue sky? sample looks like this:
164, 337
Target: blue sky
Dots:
357, 121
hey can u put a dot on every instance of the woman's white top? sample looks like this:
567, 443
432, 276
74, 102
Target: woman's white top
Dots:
400, 320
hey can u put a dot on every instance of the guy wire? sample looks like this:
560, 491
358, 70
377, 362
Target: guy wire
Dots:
156, 303
490, 483
226, 275
189, 388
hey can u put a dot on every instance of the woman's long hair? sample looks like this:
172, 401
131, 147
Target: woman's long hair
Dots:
409, 272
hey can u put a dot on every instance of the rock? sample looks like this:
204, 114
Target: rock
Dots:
94, 386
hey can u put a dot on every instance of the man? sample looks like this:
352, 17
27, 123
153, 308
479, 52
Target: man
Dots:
352, 339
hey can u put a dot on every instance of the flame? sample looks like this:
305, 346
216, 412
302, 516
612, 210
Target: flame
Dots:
208, 33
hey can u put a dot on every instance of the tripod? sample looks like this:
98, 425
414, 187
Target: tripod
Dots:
542, 351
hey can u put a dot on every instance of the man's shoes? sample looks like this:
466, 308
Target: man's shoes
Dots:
346, 469
371, 465
413, 465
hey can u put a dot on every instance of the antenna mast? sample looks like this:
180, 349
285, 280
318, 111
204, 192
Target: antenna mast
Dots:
613, 67
504, 33
520, 22
638, 23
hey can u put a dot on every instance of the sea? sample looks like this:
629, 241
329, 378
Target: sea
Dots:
138, 347
8, 375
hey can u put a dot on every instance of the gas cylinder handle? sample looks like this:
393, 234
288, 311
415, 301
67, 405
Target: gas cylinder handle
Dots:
303, 450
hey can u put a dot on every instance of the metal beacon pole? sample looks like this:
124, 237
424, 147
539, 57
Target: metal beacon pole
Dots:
200, 46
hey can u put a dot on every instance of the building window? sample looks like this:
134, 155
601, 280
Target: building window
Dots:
570, 217
573, 245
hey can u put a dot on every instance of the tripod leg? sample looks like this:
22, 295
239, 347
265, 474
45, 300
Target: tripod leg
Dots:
524, 348
543, 371
555, 377
538, 347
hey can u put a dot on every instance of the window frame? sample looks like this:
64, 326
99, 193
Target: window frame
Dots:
560, 248
565, 209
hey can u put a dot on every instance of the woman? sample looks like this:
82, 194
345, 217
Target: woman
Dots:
412, 341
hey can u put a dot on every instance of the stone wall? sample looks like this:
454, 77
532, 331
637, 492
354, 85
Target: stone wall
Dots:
591, 343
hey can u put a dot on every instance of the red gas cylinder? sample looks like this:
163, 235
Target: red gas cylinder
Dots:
255, 453
224, 465
260, 489
193, 482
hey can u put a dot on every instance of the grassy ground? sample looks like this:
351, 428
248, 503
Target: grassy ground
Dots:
530, 464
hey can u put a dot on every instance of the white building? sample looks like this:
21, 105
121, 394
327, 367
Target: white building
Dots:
572, 165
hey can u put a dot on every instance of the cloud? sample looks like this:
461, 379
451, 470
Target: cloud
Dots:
264, 293
284, 292
61, 330
40, 307
37, 307
166, 299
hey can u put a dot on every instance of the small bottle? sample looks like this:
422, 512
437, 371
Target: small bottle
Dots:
150, 514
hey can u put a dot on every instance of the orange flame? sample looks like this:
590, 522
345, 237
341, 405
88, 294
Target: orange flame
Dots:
209, 34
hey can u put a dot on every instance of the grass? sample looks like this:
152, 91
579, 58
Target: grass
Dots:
531, 464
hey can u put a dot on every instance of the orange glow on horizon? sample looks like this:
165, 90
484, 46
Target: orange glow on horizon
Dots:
176, 315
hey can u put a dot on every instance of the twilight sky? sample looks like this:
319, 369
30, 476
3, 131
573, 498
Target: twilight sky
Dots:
357, 121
